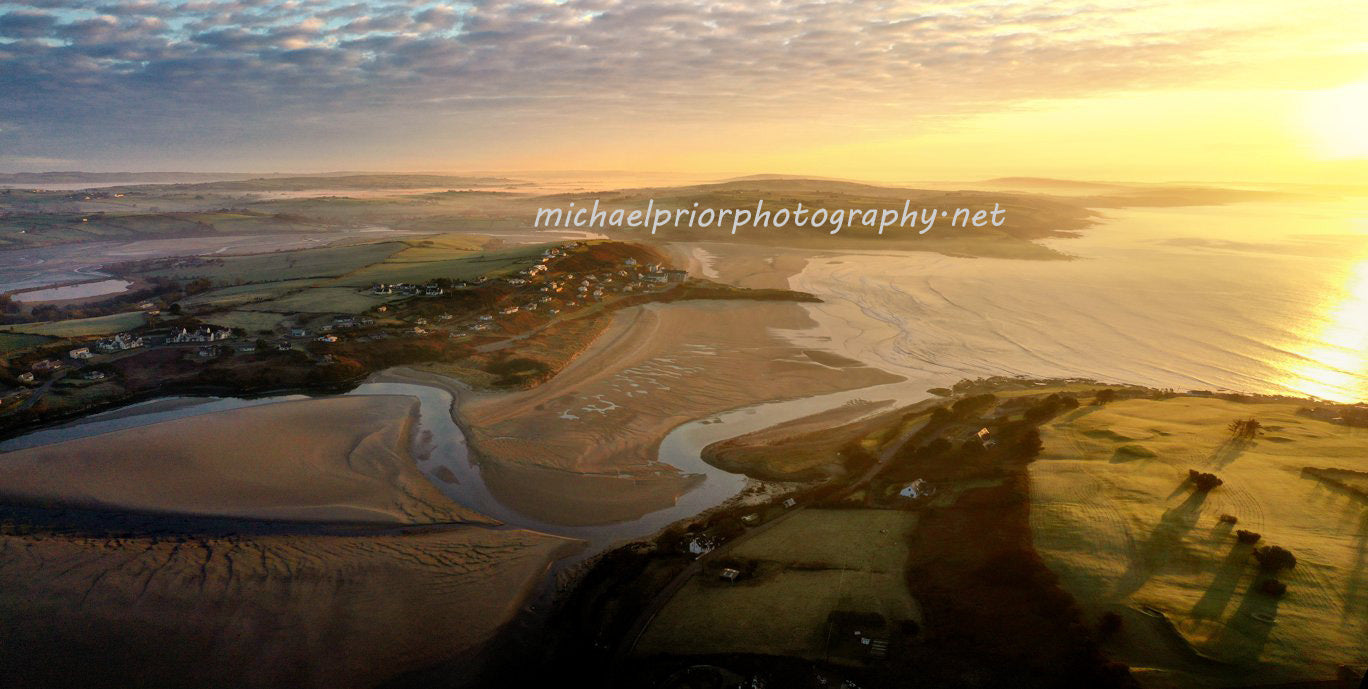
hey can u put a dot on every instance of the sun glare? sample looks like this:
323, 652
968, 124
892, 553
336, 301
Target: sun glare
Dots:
1333, 368
1335, 119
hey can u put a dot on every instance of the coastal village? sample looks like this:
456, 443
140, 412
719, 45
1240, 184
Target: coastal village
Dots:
563, 282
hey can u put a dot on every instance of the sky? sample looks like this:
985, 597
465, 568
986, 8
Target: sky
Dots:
1202, 90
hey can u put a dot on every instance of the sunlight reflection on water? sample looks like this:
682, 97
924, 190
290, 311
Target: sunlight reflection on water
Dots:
1334, 362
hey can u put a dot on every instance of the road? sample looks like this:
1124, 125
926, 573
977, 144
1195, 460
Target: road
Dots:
666, 593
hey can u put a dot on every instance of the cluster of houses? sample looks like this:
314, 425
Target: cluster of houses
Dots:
205, 334
119, 343
407, 289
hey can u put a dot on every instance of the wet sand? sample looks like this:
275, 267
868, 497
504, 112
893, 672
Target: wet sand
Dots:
329, 460
289, 544
654, 368
258, 611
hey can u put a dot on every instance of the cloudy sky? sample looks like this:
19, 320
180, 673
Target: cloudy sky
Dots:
883, 89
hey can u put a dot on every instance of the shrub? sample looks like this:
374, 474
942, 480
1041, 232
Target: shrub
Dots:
1229, 519
1204, 482
1247, 536
1104, 396
1273, 558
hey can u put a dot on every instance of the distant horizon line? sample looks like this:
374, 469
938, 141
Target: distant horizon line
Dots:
695, 177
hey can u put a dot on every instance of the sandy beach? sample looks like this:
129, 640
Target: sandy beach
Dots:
340, 459
654, 368
291, 544
258, 611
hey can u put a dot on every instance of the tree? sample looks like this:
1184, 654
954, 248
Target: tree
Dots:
1205, 482
1245, 428
175, 309
1104, 396
1273, 558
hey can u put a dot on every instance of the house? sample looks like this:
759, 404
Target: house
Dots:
701, 545
629, 262
344, 321
283, 347
80, 353
207, 352
730, 573
486, 317
329, 339
509, 310
433, 291
983, 434
26, 377
790, 502
46, 365
299, 332
917, 489
654, 277
246, 348
676, 276
94, 375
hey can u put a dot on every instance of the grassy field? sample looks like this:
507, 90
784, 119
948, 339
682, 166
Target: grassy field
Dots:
83, 327
13, 342
1115, 517
286, 265
226, 297
814, 563
423, 261
322, 300
251, 321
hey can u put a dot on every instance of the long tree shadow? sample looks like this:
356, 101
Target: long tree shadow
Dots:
1229, 451
1355, 594
1213, 603
1246, 632
1167, 535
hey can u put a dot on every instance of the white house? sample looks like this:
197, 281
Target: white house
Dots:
916, 489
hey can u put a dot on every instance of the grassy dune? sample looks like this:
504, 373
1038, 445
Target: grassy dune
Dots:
1114, 515
83, 327
817, 562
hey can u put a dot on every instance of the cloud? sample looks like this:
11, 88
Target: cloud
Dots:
142, 68
26, 24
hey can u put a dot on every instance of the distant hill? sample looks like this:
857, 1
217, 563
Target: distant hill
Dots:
351, 182
38, 179
1049, 183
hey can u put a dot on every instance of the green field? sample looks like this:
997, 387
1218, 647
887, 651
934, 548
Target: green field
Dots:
251, 321
286, 265
13, 342
1127, 533
814, 563
322, 300
422, 263
83, 327
227, 297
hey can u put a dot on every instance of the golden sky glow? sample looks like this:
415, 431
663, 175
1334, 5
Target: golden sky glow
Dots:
1219, 90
